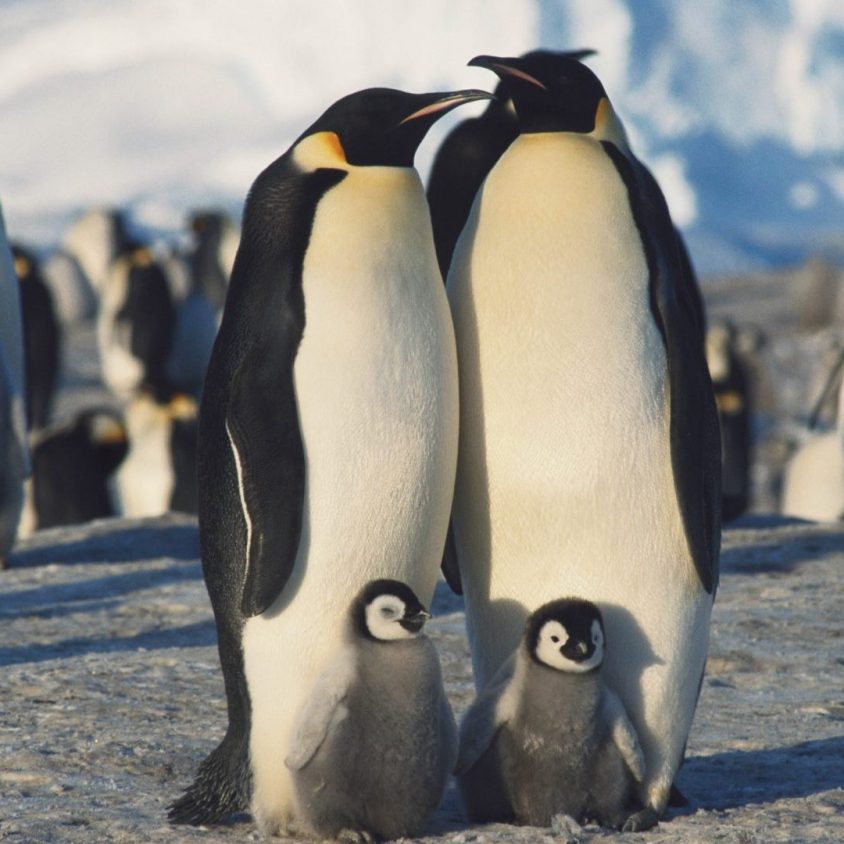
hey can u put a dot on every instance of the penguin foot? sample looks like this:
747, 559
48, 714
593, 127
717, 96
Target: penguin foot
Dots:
647, 818
566, 827
355, 836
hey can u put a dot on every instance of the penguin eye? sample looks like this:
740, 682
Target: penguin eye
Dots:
388, 612
555, 639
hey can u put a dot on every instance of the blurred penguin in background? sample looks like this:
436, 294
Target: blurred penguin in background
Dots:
159, 471
73, 296
72, 465
200, 310
136, 323
14, 453
733, 399
41, 337
813, 480
95, 240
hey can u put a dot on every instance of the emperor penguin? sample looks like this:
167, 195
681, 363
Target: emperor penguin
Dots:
72, 466
136, 323
375, 741
14, 452
548, 736
732, 398
589, 459
328, 425
41, 338
462, 162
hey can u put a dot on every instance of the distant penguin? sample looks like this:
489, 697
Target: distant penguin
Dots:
733, 399
135, 324
375, 742
462, 162
41, 337
14, 453
158, 474
199, 311
589, 457
95, 239
328, 425
72, 465
813, 479
73, 296
549, 737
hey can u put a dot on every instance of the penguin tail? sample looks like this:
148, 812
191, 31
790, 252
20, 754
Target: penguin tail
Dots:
221, 788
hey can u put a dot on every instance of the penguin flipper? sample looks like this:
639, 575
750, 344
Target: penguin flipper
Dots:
624, 734
489, 712
322, 711
678, 312
262, 424
450, 563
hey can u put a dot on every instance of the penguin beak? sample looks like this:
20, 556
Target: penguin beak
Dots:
414, 623
439, 104
505, 67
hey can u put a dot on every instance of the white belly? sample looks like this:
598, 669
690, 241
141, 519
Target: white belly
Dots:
564, 482
376, 386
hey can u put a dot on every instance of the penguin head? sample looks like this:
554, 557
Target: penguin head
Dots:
388, 610
566, 635
375, 127
555, 92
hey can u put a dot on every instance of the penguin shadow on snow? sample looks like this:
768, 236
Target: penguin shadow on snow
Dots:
108, 544
737, 778
778, 557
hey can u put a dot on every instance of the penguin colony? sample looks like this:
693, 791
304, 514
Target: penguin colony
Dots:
582, 486
514, 369
156, 314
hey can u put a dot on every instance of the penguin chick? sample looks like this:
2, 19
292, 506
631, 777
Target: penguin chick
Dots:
548, 736
373, 745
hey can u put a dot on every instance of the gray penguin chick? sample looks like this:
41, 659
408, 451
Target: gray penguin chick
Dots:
374, 744
547, 737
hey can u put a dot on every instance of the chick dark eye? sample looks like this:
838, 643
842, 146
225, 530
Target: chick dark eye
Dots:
555, 639
386, 612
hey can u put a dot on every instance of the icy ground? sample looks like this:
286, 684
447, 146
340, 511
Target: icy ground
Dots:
110, 691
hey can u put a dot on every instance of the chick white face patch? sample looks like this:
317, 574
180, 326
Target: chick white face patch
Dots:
552, 640
383, 617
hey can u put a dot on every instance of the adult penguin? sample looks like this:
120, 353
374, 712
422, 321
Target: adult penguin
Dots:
41, 337
328, 425
462, 161
589, 452
14, 453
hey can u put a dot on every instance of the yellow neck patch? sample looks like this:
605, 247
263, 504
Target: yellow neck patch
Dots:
322, 149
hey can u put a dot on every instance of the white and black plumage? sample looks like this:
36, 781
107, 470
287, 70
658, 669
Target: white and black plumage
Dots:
14, 453
375, 742
732, 396
328, 426
548, 736
95, 240
72, 466
158, 474
135, 324
41, 336
589, 458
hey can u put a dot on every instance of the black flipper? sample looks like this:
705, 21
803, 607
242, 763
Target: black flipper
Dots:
248, 401
675, 302
450, 564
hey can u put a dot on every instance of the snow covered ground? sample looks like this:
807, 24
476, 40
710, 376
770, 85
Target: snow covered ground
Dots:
111, 691
160, 107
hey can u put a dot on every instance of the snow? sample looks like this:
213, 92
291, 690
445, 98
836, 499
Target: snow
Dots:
112, 692
161, 106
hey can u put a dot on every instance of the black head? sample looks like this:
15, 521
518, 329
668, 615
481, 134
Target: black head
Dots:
388, 610
552, 92
566, 635
383, 126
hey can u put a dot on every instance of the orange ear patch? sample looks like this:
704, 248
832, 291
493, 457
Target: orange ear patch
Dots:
332, 146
